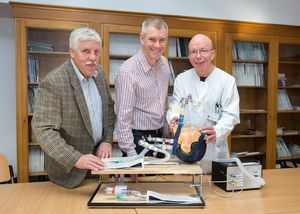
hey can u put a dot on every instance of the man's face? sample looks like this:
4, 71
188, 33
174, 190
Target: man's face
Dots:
154, 42
201, 54
86, 57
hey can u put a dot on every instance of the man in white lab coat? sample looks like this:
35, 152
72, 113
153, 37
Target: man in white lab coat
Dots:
215, 107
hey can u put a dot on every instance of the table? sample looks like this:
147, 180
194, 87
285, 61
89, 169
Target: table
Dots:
281, 194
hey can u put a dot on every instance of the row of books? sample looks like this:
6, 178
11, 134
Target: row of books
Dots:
32, 91
286, 149
281, 149
40, 46
283, 100
249, 74
172, 74
33, 67
282, 80
178, 47
36, 159
249, 51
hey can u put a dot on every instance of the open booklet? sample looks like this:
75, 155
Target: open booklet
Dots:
135, 161
124, 162
182, 199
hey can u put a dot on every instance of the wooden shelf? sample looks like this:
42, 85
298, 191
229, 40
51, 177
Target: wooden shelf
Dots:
290, 87
254, 111
120, 56
33, 83
37, 173
33, 144
289, 62
49, 53
288, 111
252, 155
289, 158
233, 136
292, 134
256, 87
249, 61
179, 58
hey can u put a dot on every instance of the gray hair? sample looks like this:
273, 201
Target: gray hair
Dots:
83, 34
156, 22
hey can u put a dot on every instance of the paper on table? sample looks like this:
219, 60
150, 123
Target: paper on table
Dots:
151, 195
123, 162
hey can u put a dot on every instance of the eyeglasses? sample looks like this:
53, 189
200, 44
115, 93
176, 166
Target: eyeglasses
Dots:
202, 52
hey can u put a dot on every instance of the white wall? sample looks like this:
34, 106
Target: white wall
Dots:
266, 11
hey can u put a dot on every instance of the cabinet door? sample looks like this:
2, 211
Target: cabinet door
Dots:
42, 46
249, 62
120, 43
288, 103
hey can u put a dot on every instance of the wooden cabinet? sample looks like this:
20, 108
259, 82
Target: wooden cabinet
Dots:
260, 117
250, 62
41, 46
288, 101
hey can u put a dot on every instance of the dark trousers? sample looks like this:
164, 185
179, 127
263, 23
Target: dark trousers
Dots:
144, 134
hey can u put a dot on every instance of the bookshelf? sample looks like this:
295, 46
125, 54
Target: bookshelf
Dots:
288, 101
177, 57
52, 24
46, 49
44, 46
249, 59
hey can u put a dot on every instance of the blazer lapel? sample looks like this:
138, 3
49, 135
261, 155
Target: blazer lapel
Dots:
79, 96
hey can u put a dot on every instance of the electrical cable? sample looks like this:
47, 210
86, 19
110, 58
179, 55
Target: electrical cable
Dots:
217, 194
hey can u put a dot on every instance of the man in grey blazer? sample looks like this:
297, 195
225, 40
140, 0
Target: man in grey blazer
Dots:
74, 115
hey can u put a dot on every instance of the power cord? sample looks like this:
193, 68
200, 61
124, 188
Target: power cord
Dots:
216, 194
